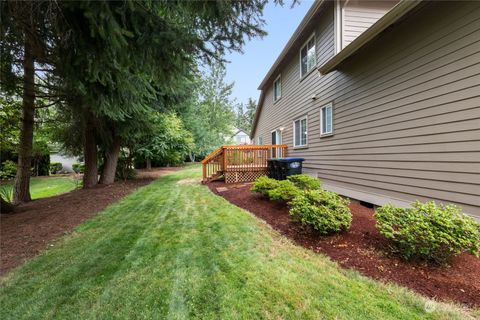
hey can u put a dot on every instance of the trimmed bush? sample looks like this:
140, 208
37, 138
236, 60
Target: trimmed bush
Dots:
285, 190
325, 211
55, 167
428, 231
275, 189
78, 167
305, 182
9, 170
264, 184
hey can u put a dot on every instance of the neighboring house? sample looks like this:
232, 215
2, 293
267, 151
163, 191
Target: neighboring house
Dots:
240, 137
382, 99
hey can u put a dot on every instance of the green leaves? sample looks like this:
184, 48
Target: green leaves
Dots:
325, 211
305, 182
167, 142
428, 231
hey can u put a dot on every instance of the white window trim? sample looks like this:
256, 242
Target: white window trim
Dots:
294, 136
258, 140
323, 134
279, 78
281, 135
300, 56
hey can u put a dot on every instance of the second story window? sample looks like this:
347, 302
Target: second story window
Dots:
308, 56
277, 88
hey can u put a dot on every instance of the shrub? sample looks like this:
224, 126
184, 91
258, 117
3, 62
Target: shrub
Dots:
78, 167
125, 169
264, 184
55, 167
285, 190
429, 232
275, 189
9, 170
325, 211
305, 182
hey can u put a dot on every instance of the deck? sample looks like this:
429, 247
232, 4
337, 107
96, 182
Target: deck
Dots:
241, 163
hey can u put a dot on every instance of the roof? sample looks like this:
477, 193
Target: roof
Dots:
392, 16
238, 130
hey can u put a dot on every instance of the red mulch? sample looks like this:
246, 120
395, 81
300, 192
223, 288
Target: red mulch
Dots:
34, 224
362, 248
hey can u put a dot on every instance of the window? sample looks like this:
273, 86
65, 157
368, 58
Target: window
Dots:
260, 140
242, 139
277, 89
326, 119
308, 56
300, 132
276, 136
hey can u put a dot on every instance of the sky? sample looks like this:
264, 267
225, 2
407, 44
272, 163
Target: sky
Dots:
248, 69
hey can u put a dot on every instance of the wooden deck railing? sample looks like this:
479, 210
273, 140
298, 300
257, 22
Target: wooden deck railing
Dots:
240, 158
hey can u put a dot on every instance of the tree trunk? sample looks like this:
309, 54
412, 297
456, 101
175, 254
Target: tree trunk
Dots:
90, 175
21, 191
149, 164
5, 206
111, 160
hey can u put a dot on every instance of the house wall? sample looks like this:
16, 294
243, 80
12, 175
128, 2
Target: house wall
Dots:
358, 16
406, 110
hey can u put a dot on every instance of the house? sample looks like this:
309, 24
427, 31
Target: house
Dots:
240, 137
382, 99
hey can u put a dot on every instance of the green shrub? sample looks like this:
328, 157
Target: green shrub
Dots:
285, 190
55, 167
9, 170
264, 184
325, 211
125, 169
305, 182
275, 189
429, 232
78, 167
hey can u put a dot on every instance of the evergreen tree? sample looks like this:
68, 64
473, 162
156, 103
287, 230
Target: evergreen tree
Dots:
244, 115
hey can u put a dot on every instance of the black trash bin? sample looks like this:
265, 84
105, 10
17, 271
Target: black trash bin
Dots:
272, 168
281, 168
289, 166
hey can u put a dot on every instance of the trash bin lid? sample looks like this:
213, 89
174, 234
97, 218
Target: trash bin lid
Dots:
290, 159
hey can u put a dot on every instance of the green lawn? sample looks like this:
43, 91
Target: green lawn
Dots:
42, 187
176, 251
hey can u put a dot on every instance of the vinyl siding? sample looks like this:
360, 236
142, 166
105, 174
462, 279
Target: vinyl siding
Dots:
358, 16
406, 109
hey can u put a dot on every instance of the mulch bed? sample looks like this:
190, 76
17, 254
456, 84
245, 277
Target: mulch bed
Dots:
34, 224
362, 248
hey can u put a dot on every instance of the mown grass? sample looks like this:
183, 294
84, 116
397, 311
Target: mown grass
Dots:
176, 251
42, 187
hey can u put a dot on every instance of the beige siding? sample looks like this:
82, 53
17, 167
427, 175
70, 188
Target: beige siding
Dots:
358, 16
406, 109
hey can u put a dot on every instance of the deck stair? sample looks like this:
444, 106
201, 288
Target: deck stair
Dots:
240, 163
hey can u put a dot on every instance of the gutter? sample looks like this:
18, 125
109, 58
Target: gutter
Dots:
392, 16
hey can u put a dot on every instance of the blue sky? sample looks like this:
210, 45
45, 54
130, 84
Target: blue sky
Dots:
248, 69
